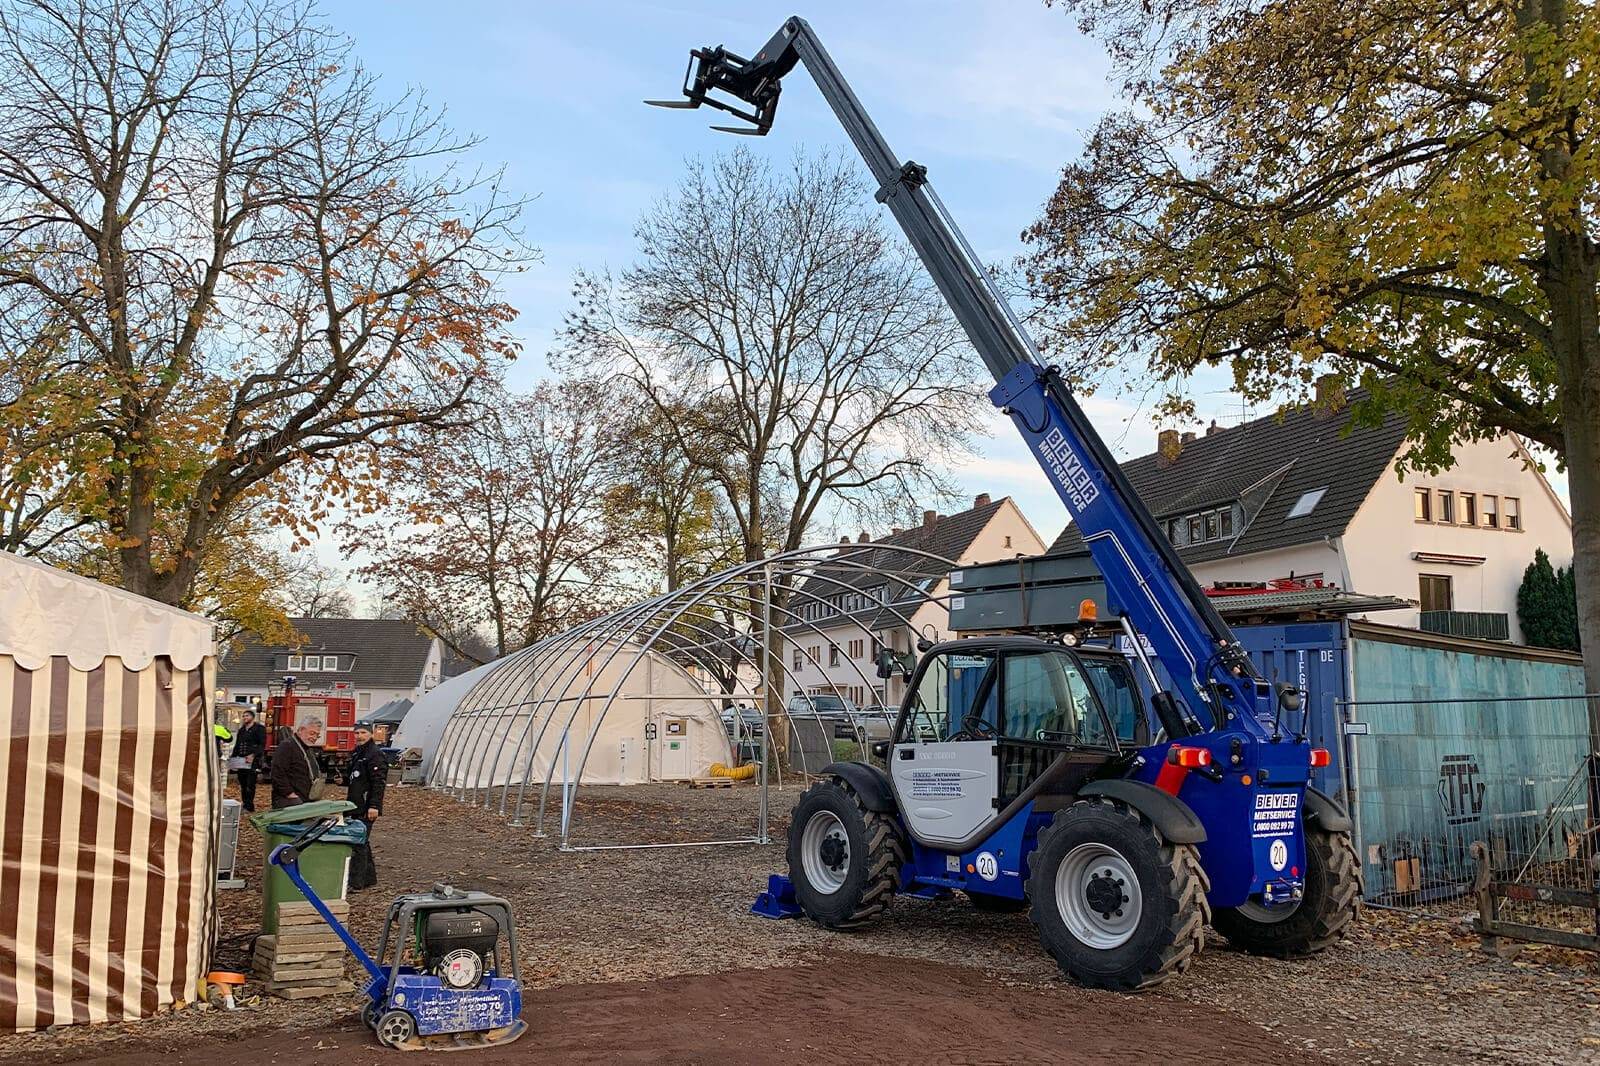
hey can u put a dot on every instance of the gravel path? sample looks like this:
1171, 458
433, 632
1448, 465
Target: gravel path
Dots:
1395, 991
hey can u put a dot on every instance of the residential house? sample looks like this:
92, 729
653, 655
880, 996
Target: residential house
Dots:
886, 594
1310, 495
376, 659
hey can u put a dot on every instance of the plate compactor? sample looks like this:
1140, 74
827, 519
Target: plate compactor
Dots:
436, 983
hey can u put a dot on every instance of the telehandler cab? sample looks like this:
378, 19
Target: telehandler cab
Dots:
1022, 771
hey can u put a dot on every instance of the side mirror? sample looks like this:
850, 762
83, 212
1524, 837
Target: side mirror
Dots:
1289, 697
880, 749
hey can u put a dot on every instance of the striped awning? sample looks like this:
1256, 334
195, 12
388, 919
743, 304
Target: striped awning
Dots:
108, 796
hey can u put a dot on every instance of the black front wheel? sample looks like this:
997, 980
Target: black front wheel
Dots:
844, 860
1116, 905
1319, 920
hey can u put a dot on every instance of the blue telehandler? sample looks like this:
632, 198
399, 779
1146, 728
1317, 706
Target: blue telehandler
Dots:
1038, 774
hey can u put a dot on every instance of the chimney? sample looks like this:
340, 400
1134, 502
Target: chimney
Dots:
1212, 428
980, 500
844, 540
1330, 395
895, 531
929, 518
863, 539
1168, 445
1188, 435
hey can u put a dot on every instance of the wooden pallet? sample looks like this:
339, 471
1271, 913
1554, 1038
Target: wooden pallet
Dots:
711, 782
306, 958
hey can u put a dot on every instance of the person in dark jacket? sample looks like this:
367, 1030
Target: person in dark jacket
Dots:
292, 769
365, 779
249, 744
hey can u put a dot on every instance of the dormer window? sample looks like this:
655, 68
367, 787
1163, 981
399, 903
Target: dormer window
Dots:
1202, 527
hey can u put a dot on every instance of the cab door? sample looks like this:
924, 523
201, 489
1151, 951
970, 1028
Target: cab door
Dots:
943, 762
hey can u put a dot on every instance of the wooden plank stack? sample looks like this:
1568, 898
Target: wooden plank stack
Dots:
306, 959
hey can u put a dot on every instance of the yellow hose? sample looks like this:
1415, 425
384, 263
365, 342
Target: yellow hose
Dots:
738, 773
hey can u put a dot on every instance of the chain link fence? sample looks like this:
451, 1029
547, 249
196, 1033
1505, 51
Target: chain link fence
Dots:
1480, 806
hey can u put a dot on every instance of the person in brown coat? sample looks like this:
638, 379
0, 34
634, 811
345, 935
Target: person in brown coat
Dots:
293, 767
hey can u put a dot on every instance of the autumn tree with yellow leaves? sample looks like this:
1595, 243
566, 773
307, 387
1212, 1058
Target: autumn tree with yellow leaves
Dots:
1404, 193
231, 272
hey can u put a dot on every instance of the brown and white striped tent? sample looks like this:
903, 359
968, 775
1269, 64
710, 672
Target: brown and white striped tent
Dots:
108, 797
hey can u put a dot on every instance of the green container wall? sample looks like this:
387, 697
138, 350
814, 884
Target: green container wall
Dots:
1434, 776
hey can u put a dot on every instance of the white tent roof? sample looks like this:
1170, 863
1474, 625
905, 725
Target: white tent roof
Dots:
46, 612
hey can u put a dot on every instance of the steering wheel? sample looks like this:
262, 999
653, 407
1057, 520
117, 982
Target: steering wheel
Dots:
974, 727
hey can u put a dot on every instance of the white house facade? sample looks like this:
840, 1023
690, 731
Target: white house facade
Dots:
888, 594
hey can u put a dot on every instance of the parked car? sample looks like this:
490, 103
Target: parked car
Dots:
827, 708
743, 722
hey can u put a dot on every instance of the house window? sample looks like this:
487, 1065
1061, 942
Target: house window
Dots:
297, 662
1435, 592
1424, 505
363, 702
1008, 542
330, 662
799, 657
1194, 529
1513, 513
877, 649
1469, 508
1213, 527
856, 647
1447, 507
1491, 511
816, 654
1225, 520
833, 655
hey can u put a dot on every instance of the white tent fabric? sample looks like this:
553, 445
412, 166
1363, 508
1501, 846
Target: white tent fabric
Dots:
46, 612
424, 723
627, 715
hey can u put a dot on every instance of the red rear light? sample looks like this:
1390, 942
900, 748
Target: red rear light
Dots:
1319, 757
1189, 758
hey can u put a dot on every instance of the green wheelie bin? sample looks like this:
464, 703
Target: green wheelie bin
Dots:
324, 864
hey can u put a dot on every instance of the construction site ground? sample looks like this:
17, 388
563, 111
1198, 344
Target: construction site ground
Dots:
652, 956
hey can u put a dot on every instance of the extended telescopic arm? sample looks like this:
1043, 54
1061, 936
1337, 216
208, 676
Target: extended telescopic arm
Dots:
1142, 570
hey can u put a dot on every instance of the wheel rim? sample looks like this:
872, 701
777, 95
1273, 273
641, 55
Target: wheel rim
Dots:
825, 852
395, 1028
1098, 896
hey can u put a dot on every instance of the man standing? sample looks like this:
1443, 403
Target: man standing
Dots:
295, 771
250, 744
365, 780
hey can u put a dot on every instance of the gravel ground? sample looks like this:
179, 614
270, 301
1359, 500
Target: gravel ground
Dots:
1396, 990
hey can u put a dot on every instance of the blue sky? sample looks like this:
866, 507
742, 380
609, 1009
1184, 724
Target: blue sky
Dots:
993, 97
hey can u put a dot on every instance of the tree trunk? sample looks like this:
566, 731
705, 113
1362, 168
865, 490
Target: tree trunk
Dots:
1575, 330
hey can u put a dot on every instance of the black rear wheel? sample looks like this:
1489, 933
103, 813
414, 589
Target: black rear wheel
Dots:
1319, 920
844, 860
1116, 905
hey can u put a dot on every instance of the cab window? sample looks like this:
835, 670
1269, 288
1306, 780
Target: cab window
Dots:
1119, 694
951, 688
1048, 700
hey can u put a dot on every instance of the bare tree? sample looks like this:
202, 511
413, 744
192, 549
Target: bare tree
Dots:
230, 267
503, 524
313, 590
794, 352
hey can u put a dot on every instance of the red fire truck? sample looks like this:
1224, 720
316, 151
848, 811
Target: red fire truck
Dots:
332, 711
